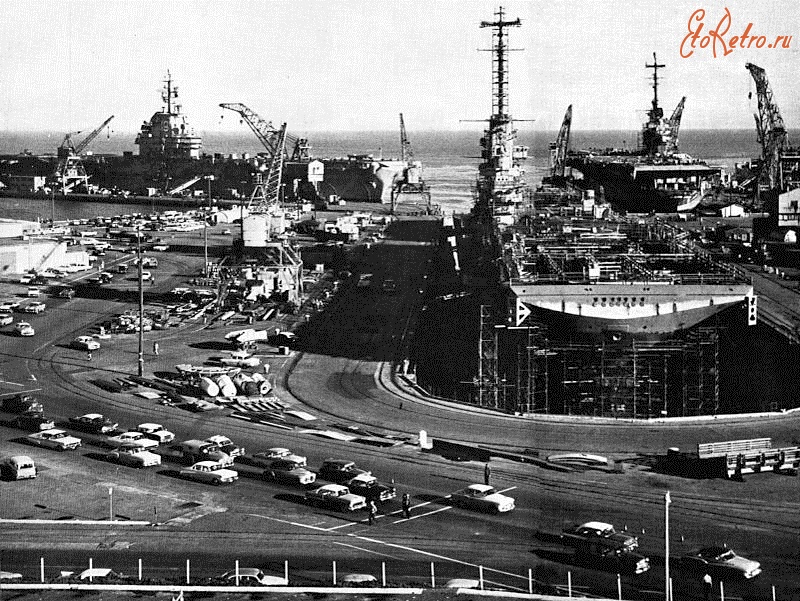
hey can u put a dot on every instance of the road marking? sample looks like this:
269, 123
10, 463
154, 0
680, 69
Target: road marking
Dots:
422, 515
11, 383
367, 550
266, 517
8, 393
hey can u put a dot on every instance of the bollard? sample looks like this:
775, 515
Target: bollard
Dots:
670, 589
187, 571
140, 569
41, 569
721, 591
569, 584
334, 573
433, 576
619, 587
383, 574
90, 569
286, 571
480, 576
773, 593
236, 569
530, 581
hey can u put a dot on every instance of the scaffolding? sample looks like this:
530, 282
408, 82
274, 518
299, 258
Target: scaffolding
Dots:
488, 382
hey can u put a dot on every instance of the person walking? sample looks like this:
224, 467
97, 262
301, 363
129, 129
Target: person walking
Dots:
707, 582
88, 355
487, 474
155, 349
373, 512
406, 503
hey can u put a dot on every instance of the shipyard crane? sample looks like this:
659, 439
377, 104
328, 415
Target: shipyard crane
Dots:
406, 154
269, 135
673, 127
559, 148
70, 170
770, 128
411, 179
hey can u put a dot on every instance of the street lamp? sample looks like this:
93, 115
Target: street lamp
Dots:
141, 301
667, 587
209, 179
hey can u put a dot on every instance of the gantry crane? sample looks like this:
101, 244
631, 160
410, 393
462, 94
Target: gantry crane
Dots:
266, 191
70, 170
411, 179
559, 148
771, 130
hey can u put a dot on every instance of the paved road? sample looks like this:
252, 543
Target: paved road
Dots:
341, 378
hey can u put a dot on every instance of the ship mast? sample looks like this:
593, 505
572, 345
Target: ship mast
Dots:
652, 140
169, 93
500, 63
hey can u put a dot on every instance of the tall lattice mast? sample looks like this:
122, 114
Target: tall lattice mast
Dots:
499, 51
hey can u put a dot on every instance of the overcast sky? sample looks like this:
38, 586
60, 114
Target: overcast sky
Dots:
353, 65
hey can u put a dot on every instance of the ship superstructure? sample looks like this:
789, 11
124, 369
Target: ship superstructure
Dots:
168, 136
655, 176
500, 186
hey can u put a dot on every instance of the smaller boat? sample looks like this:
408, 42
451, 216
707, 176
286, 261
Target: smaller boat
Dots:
187, 369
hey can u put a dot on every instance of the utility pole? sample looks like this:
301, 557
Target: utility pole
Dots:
667, 586
141, 301
209, 178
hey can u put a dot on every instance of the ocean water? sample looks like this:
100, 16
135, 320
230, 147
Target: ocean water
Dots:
450, 158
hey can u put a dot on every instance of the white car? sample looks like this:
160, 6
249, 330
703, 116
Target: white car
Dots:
210, 472
54, 439
9, 306
86, 343
226, 445
160, 247
265, 458
253, 577
137, 438
6, 319
134, 455
35, 307
482, 497
336, 497
156, 432
23, 328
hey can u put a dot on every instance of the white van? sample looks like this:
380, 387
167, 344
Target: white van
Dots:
19, 467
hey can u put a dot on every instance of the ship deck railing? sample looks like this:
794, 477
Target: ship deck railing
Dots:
686, 279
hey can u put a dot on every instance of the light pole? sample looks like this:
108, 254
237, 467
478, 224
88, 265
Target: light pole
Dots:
208, 178
667, 587
141, 301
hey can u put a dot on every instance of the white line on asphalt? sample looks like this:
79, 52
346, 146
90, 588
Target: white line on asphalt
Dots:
266, 517
15, 384
422, 515
367, 550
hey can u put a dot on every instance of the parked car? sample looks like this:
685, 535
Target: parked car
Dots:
54, 439
134, 455
210, 472
9, 306
368, 486
10, 575
359, 579
35, 307
33, 292
67, 293
339, 470
194, 450
85, 343
160, 247
23, 328
22, 403
94, 423
265, 458
156, 432
133, 438
482, 497
252, 577
34, 421
721, 562
336, 497
290, 470
6, 319
18, 467
226, 445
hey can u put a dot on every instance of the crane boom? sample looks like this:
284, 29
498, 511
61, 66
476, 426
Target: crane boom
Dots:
88, 139
268, 135
559, 148
406, 154
673, 127
770, 128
